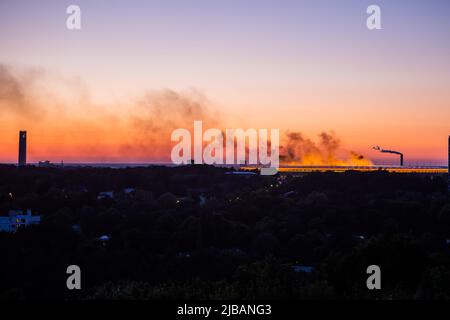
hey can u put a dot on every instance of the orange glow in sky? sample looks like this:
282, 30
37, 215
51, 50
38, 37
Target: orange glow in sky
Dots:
114, 90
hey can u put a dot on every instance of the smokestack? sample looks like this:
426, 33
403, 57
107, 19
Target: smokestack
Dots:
390, 151
22, 148
448, 178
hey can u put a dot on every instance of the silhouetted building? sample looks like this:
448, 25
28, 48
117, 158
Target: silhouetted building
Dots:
45, 164
22, 148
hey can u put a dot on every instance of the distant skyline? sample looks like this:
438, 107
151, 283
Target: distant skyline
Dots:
112, 91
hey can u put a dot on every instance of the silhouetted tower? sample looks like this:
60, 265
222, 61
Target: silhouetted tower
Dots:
448, 179
22, 148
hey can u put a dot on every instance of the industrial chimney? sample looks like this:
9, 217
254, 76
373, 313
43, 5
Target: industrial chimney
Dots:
448, 172
390, 151
22, 148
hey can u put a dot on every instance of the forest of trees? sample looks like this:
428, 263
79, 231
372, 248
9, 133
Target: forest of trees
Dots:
195, 232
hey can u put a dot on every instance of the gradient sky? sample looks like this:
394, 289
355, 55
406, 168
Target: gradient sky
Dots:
308, 66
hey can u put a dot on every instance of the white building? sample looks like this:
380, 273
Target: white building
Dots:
129, 190
17, 219
105, 195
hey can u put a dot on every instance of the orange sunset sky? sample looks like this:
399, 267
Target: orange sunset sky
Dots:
114, 90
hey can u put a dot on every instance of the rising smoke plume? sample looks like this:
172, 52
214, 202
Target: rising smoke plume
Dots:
296, 149
68, 125
155, 115
12, 94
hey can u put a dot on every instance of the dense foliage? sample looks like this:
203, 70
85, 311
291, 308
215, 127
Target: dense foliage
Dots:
196, 232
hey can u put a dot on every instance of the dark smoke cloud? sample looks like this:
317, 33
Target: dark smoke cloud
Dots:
12, 94
159, 111
142, 131
296, 149
18, 93
153, 118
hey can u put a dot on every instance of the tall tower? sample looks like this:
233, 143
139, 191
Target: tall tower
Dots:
22, 148
448, 179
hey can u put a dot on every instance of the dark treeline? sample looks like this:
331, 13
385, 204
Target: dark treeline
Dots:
196, 232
